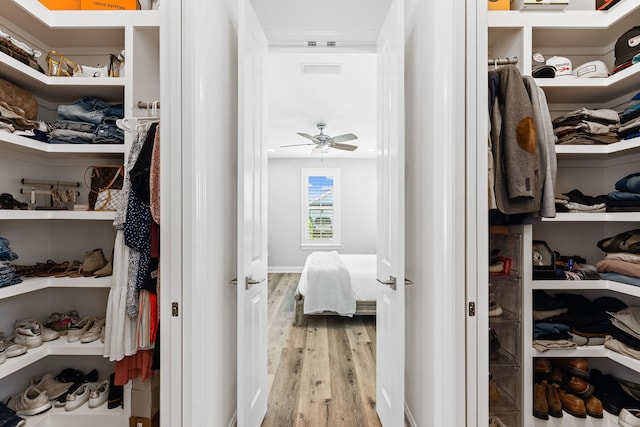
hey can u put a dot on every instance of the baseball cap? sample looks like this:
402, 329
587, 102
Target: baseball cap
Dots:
562, 65
592, 69
544, 71
627, 46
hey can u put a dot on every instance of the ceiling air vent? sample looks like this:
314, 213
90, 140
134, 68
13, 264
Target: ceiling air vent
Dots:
321, 68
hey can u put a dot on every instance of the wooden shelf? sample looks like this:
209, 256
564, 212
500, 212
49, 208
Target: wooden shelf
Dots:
622, 288
624, 147
23, 144
595, 217
32, 284
6, 214
591, 351
59, 347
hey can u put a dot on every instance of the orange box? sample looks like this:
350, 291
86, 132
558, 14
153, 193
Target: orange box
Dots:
109, 5
499, 4
61, 4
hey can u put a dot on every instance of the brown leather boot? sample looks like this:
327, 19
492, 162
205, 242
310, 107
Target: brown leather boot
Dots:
540, 406
542, 366
574, 365
553, 401
572, 403
593, 406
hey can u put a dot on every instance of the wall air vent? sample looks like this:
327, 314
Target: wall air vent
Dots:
321, 68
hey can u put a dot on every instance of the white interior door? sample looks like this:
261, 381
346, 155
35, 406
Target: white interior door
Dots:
390, 244
252, 221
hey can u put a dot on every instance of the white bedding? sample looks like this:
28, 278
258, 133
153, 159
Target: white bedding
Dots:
329, 295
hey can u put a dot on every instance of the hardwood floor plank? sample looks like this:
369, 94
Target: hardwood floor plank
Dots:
344, 386
315, 389
282, 411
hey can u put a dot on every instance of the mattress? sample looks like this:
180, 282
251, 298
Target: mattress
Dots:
362, 269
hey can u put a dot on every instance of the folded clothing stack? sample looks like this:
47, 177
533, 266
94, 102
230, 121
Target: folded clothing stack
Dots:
625, 332
8, 274
630, 119
573, 318
89, 120
575, 201
621, 262
626, 197
587, 127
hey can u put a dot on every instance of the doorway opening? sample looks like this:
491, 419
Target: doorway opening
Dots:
322, 371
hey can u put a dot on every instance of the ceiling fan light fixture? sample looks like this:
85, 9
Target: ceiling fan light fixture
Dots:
321, 68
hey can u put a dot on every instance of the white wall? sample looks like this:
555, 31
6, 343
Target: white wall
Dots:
435, 222
285, 206
209, 210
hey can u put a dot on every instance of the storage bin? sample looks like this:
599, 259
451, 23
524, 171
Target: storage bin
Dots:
499, 4
109, 4
61, 4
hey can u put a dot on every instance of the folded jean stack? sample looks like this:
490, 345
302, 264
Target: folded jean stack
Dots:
626, 197
89, 120
569, 320
8, 275
621, 262
587, 127
630, 119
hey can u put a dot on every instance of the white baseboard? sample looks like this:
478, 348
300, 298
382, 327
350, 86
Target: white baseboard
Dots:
273, 269
234, 419
408, 418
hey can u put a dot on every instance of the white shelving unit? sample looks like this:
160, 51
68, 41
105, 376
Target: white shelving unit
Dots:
581, 36
86, 37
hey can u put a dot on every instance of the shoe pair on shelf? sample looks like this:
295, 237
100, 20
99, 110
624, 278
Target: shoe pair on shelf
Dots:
95, 394
94, 264
87, 330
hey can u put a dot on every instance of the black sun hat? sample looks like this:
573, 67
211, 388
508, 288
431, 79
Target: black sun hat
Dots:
627, 46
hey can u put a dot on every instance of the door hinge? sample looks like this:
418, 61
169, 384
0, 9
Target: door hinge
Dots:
472, 309
174, 309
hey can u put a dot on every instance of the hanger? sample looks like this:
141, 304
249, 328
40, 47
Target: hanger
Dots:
137, 124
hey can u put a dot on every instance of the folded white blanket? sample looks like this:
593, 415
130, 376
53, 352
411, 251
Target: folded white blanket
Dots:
328, 285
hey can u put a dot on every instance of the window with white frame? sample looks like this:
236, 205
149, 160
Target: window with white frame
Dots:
320, 207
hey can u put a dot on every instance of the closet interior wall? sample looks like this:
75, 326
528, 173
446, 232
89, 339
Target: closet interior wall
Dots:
581, 36
86, 37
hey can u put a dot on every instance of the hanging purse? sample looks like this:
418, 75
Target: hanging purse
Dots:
105, 190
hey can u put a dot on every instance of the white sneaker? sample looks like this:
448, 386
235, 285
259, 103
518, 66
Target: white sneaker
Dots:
47, 334
32, 401
12, 349
94, 332
78, 397
28, 335
77, 329
50, 384
99, 394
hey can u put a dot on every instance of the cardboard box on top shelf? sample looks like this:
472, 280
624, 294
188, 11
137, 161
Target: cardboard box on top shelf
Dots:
499, 4
145, 421
109, 4
61, 4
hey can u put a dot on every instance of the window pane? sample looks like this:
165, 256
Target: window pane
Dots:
320, 198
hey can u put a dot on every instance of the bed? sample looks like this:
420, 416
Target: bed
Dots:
336, 284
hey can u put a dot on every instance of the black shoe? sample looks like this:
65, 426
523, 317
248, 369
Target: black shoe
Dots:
115, 393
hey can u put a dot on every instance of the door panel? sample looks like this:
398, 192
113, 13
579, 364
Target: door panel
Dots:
390, 244
252, 222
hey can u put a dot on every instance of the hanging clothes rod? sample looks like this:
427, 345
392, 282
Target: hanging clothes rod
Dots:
27, 181
148, 105
502, 61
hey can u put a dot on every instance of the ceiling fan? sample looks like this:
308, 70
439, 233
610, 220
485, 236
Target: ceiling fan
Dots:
323, 142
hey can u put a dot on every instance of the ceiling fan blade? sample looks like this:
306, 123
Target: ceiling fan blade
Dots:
306, 135
295, 145
347, 147
344, 138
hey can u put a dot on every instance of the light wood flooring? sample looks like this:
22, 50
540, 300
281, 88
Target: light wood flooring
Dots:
322, 373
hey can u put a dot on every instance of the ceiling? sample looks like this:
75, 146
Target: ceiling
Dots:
297, 101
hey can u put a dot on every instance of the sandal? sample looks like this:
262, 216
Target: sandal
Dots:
55, 269
72, 268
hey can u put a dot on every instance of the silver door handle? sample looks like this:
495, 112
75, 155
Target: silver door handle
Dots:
408, 281
233, 281
249, 282
391, 282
